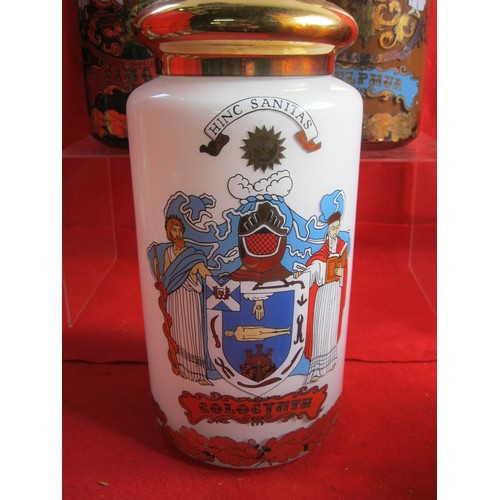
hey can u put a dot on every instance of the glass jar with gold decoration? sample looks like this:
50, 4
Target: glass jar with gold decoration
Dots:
114, 64
386, 65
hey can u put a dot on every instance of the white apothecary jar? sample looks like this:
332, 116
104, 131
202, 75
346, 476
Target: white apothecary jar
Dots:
245, 157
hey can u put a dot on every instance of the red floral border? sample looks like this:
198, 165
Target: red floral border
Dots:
249, 453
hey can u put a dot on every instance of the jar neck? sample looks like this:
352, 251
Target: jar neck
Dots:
296, 65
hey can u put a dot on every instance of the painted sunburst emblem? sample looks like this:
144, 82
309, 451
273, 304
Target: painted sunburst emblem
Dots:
263, 148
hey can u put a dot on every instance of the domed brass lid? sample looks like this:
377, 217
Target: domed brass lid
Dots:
245, 37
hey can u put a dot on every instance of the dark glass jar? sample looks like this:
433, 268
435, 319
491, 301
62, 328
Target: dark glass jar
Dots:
386, 65
114, 64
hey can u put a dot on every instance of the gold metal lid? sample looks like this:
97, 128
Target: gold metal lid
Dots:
245, 37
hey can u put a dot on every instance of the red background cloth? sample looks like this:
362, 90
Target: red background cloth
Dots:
384, 445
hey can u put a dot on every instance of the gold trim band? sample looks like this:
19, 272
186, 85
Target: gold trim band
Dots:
183, 65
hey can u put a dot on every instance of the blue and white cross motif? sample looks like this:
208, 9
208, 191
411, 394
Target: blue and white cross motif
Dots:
223, 294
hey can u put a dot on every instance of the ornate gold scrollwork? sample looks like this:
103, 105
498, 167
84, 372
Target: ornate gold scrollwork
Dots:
386, 127
383, 19
396, 26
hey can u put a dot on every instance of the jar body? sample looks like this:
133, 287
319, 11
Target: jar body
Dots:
245, 196
386, 64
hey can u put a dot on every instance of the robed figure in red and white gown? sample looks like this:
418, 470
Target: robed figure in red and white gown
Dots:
328, 269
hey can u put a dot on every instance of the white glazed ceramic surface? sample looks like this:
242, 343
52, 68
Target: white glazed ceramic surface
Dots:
290, 146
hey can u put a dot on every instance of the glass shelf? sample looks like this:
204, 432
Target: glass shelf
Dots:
89, 248
89, 233
89, 147
421, 149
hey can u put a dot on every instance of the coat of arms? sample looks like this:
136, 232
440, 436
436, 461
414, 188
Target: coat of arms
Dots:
255, 349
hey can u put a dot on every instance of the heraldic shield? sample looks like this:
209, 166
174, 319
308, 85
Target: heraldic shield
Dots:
256, 332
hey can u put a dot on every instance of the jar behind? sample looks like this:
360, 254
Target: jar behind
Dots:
114, 64
386, 64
